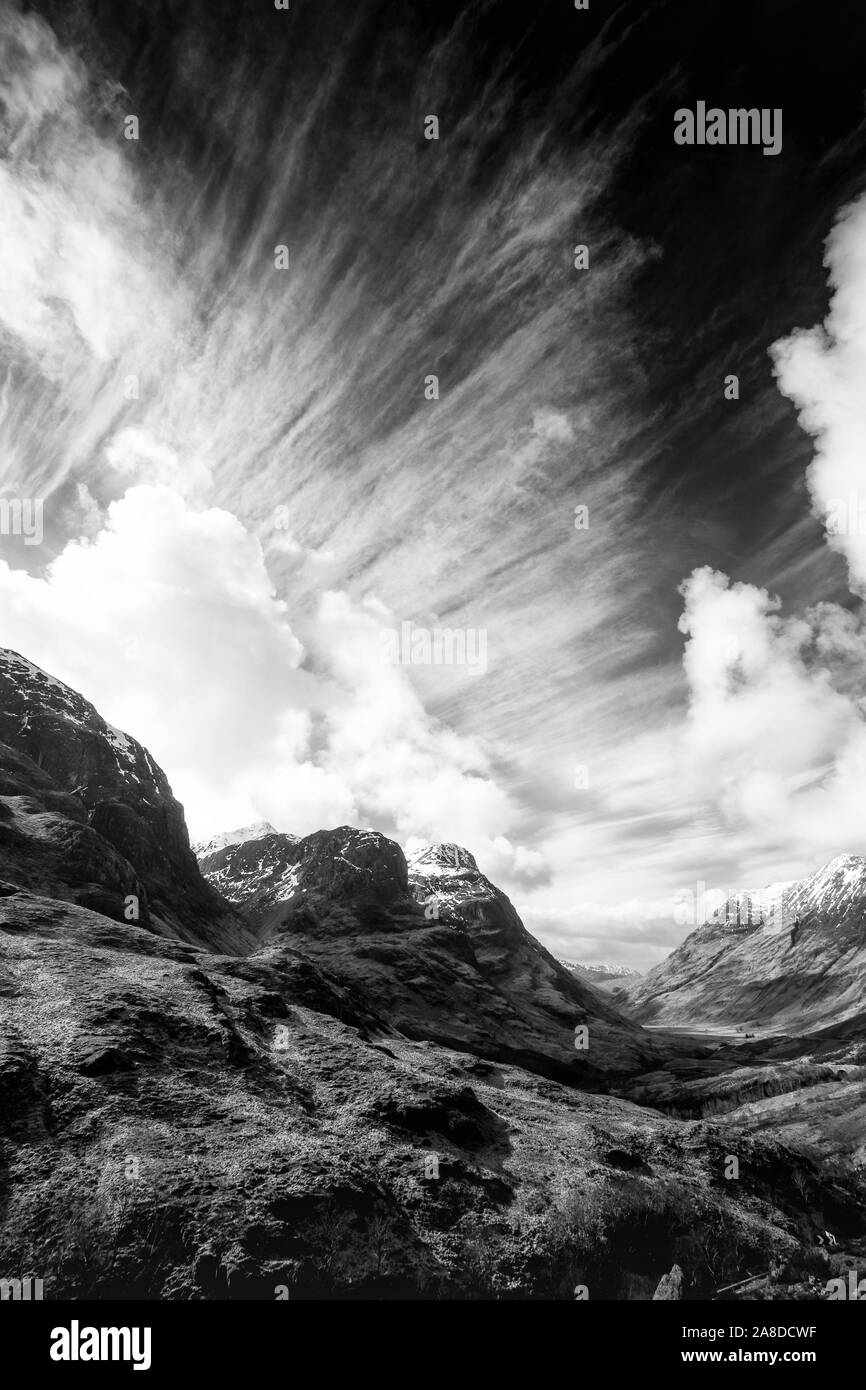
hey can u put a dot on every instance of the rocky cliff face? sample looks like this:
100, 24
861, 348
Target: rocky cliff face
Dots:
48, 846
253, 867
802, 967
87, 815
436, 949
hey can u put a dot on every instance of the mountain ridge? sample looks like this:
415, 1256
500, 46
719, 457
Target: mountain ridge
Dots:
440, 949
800, 968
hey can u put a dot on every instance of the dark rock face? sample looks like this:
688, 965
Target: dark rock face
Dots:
356, 867
345, 865
250, 871
671, 1285
87, 815
47, 845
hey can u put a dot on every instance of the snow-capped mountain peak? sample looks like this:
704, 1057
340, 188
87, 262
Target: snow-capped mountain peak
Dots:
833, 888
791, 956
240, 836
599, 973
438, 859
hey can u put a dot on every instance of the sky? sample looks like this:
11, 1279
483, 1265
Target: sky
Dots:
246, 485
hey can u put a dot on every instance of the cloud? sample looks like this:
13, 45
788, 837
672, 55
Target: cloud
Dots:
770, 739
89, 299
755, 705
776, 726
552, 425
634, 933
823, 370
78, 279
134, 451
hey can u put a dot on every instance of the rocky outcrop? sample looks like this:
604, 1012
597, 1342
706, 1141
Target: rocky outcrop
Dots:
670, 1285
89, 816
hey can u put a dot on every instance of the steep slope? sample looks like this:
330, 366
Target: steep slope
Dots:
436, 949
87, 815
802, 968
446, 880
47, 845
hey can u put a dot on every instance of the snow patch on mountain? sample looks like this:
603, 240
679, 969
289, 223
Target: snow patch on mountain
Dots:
446, 875
441, 858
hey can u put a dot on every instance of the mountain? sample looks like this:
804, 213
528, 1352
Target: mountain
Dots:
252, 866
87, 815
797, 968
603, 976
205, 848
434, 947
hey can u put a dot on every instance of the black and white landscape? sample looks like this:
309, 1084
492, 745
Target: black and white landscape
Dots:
434, 437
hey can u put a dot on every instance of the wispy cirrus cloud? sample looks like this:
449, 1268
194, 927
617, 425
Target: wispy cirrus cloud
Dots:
257, 393
228, 537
